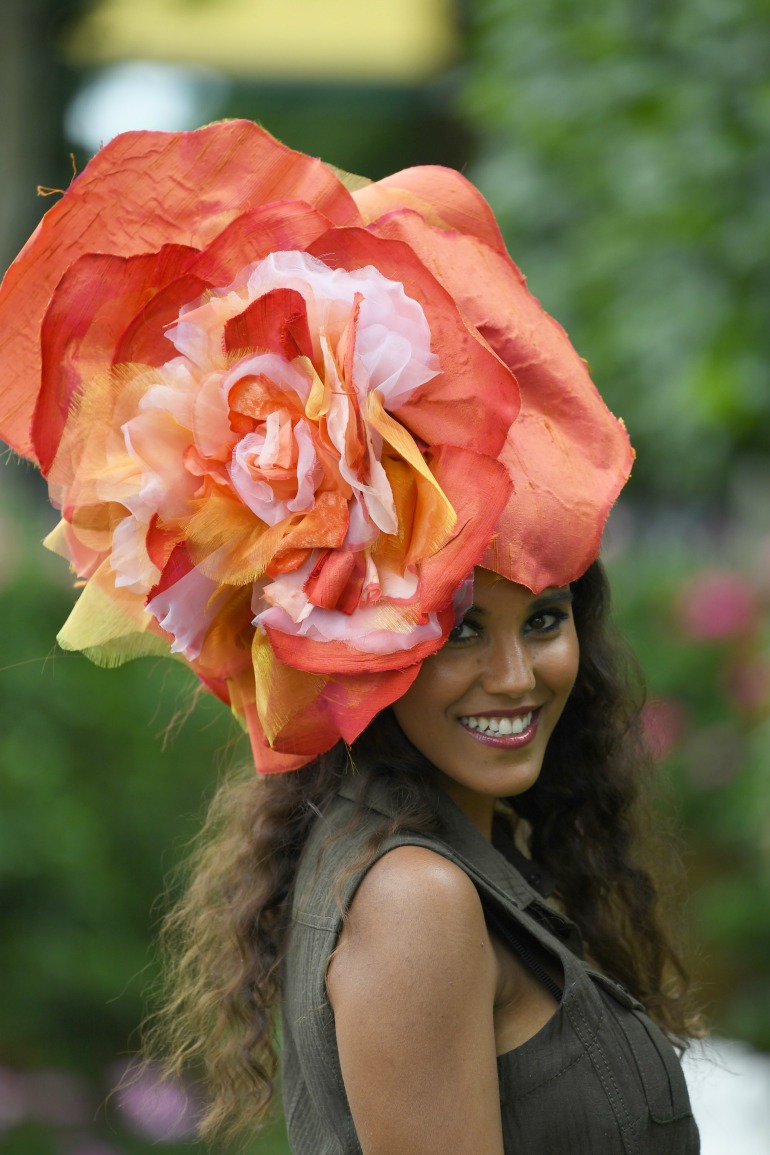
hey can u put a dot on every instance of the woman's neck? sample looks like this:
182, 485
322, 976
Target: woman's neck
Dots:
479, 809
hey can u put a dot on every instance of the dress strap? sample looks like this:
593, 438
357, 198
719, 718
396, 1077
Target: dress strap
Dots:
523, 946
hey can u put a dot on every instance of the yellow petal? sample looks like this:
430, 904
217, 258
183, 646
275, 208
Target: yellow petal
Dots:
434, 516
281, 691
110, 625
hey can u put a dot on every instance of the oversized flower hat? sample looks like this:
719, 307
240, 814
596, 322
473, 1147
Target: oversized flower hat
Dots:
284, 412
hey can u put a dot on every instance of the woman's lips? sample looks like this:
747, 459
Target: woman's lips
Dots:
506, 730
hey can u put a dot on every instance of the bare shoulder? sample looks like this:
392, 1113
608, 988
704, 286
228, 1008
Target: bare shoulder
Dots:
413, 905
412, 883
412, 985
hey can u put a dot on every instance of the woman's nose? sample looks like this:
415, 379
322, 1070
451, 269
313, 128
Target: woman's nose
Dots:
508, 668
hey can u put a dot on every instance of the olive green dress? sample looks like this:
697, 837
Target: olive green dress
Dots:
598, 1079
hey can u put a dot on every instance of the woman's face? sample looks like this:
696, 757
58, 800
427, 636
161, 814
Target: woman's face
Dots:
483, 708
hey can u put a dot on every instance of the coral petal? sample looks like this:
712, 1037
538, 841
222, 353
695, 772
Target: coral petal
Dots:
340, 711
209, 177
275, 323
449, 409
144, 340
256, 234
550, 531
336, 580
84, 322
567, 455
338, 658
478, 488
442, 196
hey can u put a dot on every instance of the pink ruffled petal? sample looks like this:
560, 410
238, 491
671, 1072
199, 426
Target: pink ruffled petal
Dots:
186, 611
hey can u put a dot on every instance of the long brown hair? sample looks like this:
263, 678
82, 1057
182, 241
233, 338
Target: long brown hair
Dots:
590, 827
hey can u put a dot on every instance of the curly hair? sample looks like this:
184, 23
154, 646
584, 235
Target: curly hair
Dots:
590, 824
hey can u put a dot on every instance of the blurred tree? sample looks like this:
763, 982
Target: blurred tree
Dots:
626, 150
35, 84
95, 802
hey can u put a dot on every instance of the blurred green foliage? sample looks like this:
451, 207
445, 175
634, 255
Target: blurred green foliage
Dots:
101, 790
94, 801
626, 151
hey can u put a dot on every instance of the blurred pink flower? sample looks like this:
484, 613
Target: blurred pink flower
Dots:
156, 1108
717, 604
664, 721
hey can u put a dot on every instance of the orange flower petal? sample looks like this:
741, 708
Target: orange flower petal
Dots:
433, 517
448, 409
281, 691
255, 234
341, 710
87, 315
208, 177
551, 529
441, 196
336, 580
478, 488
225, 652
144, 339
335, 657
275, 323
567, 455
322, 527
229, 544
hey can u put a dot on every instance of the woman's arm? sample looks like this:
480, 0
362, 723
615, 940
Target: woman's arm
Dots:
412, 984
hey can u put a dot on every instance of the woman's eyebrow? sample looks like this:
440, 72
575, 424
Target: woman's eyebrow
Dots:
550, 596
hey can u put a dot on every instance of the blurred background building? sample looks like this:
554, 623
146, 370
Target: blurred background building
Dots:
626, 151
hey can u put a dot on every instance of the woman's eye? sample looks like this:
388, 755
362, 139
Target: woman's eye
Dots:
464, 631
546, 621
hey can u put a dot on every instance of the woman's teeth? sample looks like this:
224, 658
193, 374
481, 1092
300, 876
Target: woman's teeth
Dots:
499, 725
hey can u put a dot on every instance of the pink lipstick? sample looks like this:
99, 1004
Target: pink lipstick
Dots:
506, 730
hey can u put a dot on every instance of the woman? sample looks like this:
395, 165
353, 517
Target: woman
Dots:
318, 440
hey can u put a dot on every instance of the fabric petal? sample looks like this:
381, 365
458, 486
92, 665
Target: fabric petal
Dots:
567, 455
208, 177
275, 323
338, 657
83, 324
329, 709
255, 234
109, 625
478, 488
442, 197
449, 408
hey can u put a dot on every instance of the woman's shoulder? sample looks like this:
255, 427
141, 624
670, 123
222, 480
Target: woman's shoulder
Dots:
413, 881
413, 910
347, 841
412, 985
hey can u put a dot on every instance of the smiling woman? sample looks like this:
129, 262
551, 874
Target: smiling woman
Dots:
275, 461
483, 708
